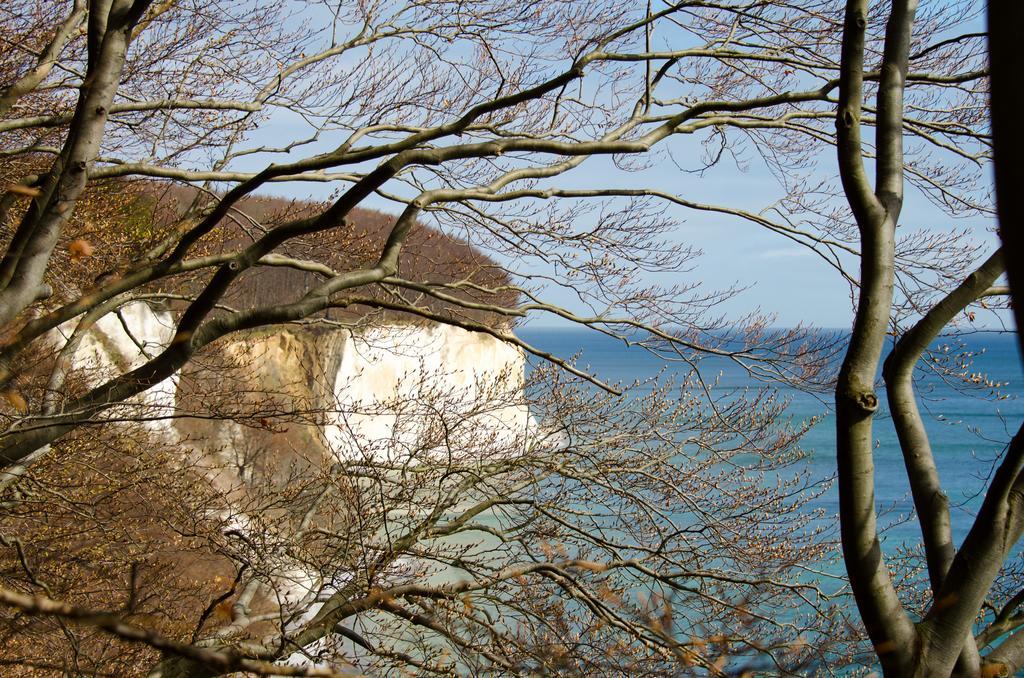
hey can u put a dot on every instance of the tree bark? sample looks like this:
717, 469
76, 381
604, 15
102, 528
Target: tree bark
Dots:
1006, 63
24, 266
876, 212
930, 501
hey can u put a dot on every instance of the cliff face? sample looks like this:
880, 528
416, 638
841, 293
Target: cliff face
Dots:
399, 389
119, 342
264, 419
394, 393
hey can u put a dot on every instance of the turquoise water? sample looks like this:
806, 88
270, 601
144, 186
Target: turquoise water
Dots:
968, 427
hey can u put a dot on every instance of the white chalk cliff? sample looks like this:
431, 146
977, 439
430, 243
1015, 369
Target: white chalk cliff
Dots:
119, 342
394, 395
391, 393
394, 383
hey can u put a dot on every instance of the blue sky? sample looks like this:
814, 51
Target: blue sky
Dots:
779, 277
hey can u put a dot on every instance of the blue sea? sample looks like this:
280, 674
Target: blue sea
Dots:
968, 427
